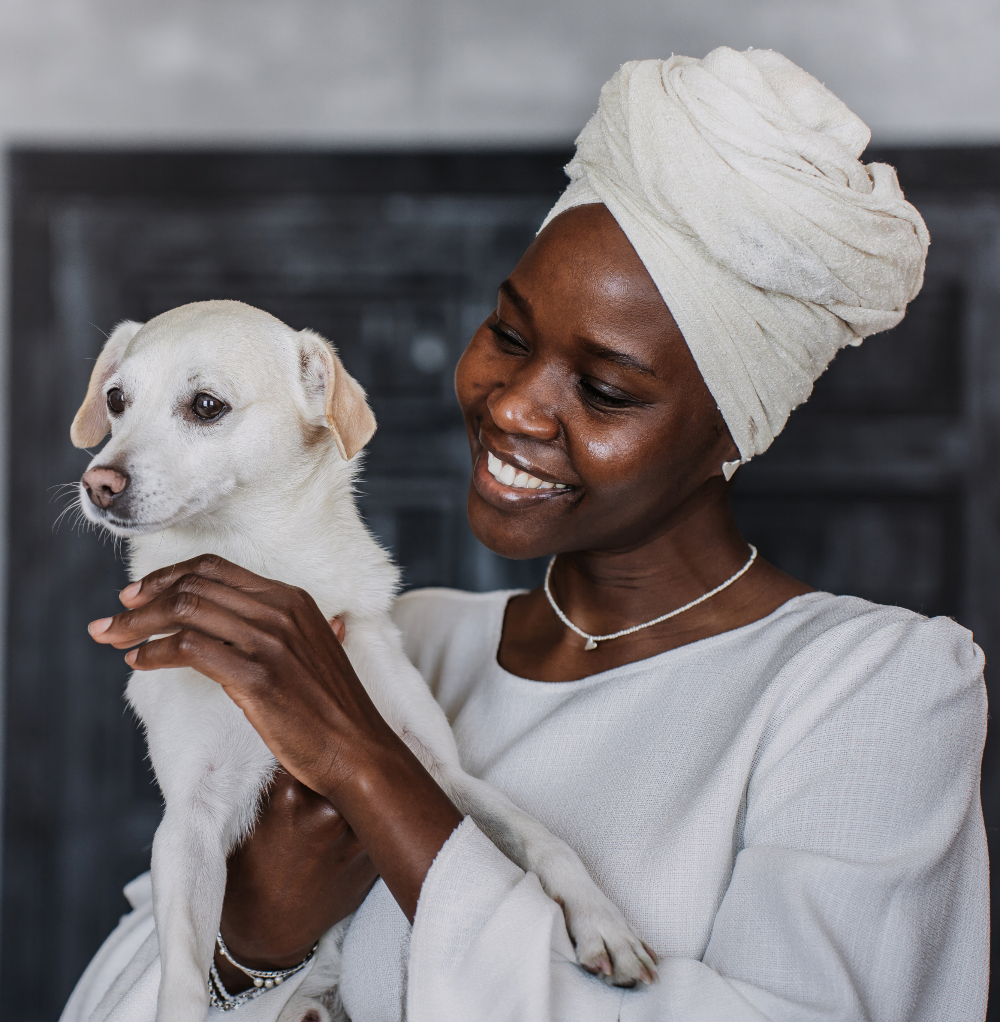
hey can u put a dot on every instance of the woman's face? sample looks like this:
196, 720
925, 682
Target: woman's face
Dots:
581, 379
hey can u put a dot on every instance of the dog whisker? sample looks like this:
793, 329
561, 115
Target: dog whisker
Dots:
73, 510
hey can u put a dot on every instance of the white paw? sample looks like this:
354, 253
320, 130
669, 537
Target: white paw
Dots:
605, 943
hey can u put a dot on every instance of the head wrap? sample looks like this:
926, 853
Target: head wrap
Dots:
736, 178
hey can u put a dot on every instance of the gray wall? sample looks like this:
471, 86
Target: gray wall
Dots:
458, 70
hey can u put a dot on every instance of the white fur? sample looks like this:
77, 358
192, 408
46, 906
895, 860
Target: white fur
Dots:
266, 488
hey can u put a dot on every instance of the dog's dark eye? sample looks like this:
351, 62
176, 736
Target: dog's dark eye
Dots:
207, 407
116, 401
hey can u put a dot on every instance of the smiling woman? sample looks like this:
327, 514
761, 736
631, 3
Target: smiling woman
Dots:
778, 787
582, 379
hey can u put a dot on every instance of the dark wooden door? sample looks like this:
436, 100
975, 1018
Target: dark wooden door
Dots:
882, 486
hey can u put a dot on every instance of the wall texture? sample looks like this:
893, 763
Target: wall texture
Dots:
460, 70
447, 72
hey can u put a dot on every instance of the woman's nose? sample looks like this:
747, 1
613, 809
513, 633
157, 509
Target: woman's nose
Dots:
522, 406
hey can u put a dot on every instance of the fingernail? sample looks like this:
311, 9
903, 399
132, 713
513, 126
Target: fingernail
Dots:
130, 657
99, 626
130, 590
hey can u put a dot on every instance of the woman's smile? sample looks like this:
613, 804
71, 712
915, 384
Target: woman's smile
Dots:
509, 486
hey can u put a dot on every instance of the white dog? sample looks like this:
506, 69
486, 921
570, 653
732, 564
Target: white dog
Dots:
233, 434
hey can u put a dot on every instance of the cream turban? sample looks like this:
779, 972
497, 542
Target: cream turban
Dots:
736, 179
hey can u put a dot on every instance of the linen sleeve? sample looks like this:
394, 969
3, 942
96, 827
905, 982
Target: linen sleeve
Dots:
860, 890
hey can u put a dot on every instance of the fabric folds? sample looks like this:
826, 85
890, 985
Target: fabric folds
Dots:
737, 180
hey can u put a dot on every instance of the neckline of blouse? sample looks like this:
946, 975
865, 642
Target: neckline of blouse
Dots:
678, 652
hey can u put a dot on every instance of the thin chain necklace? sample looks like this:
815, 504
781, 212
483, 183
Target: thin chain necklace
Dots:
593, 640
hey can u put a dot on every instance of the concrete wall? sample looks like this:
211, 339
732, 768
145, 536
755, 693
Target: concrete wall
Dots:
460, 70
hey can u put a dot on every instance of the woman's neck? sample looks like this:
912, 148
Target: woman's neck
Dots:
605, 591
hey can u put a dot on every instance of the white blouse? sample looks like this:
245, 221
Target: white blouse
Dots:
787, 813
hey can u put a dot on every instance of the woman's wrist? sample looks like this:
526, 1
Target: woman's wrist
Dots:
272, 958
399, 813
300, 871
232, 977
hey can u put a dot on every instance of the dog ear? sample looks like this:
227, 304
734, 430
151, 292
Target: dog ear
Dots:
345, 406
91, 423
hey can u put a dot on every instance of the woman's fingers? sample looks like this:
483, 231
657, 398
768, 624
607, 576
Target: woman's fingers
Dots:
339, 628
198, 602
216, 660
208, 566
269, 647
172, 612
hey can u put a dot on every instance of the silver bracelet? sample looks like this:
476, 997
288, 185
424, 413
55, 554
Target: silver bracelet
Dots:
263, 979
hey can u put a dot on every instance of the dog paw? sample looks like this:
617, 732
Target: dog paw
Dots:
607, 947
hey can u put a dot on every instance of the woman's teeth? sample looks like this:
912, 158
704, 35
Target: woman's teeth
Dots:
510, 476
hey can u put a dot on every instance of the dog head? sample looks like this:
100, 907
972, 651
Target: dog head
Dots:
208, 400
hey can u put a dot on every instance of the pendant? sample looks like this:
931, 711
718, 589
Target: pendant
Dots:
590, 644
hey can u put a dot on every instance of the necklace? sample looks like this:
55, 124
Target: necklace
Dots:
593, 640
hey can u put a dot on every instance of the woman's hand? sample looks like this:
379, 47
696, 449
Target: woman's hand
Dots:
301, 871
275, 655
269, 647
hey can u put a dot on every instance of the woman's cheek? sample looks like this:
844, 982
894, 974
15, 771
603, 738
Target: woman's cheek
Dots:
616, 455
472, 371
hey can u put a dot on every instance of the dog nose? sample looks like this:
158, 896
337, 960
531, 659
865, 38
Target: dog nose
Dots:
104, 484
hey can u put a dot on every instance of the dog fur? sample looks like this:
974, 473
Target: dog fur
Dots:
269, 486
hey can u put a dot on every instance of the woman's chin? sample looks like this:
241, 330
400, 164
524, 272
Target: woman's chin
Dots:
517, 534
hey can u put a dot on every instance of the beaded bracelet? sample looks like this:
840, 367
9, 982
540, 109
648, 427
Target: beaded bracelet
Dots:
263, 979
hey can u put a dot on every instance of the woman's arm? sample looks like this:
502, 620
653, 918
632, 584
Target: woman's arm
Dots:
276, 656
300, 872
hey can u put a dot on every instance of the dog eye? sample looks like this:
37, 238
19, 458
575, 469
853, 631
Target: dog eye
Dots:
207, 407
116, 401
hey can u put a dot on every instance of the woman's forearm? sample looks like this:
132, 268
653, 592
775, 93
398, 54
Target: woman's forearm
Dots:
400, 815
299, 872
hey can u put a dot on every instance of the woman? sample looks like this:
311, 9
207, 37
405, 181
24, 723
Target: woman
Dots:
778, 787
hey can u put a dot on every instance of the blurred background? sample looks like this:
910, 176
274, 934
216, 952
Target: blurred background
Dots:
373, 170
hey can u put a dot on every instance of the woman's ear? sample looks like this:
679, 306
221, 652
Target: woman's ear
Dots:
344, 404
91, 423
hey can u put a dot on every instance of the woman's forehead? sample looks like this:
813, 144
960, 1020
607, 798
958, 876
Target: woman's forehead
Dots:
581, 276
585, 254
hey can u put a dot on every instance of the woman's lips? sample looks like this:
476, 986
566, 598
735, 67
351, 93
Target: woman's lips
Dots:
489, 478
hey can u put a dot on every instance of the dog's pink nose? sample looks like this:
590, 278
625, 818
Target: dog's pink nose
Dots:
104, 484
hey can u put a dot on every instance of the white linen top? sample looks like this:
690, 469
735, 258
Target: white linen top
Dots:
787, 813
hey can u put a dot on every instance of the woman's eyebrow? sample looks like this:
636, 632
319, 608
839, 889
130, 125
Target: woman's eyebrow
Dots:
516, 298
619, 358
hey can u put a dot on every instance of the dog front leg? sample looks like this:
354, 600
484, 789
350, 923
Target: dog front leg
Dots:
604, 941
189, 882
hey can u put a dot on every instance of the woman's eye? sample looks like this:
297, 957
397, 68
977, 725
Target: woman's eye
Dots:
508, 340
205, 406
603, 399
116, 401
